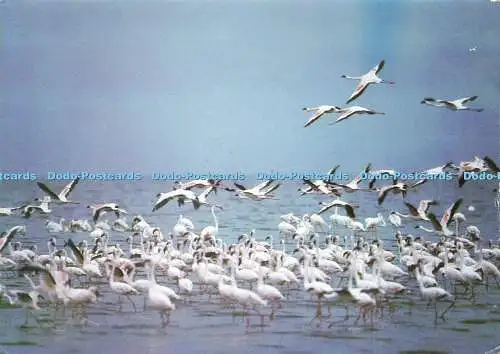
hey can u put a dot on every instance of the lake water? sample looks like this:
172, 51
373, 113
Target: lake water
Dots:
200, 326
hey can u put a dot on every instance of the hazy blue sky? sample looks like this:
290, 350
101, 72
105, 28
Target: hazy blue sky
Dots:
219, 85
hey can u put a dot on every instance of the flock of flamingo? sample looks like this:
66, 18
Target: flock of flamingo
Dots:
371, 78
338, 262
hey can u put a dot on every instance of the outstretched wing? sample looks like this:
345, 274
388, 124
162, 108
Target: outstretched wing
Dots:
8, 235
379, 67
412, 209
358, 91
314, 118
69, 187
273, 188
5, 240
383, 193
491, 164
435, 221
468, 99
310, 184
350, 211
333, 170
161, 202
47, 190
448, 214
240, 186
263, 185
76, 252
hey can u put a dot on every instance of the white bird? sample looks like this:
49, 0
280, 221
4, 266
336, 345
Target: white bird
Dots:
179, 194
394, 219
286, 229
435, 294
7, 236
185, 285
350, 111
319, 112
98, 210
397, 187
162, 288
259, 192
202, 197
353, 185
439, 170
160, 302
367, 79
246, 298
318, 288
52, 226
186, 222
374, 222
338, 203
42, 208
268, 292
318, 223
198, 183
420, 213
290, 218
441, 226
80, 297
321, 185
119, 225
121, 288
10, 211
62, 197
180, 230
212, 230
457, 219
478, 164
454, 105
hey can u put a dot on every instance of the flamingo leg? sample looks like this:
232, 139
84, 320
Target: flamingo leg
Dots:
447, 309
26, 316
261, 317
120, 302
272, 315
165, 318
359, 315
132, 302
318, 308
245, 317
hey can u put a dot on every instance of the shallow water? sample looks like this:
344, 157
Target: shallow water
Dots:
200, 326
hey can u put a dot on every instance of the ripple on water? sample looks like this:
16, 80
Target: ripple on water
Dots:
422, 351
480, 320
458, 329
19, 343
270, 346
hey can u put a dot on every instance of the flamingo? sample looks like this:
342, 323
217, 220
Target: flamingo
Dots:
454, 105
353, 110
366, 80
319, 112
